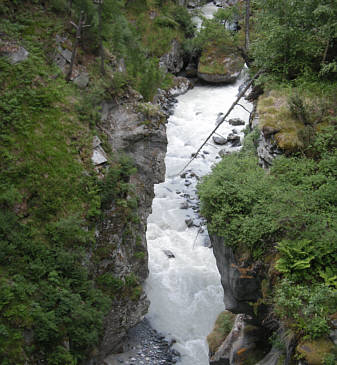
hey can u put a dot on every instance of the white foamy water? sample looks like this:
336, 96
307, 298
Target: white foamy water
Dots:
185, 292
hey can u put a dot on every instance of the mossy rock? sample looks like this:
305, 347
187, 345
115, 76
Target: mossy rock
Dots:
223, 326
314, 352
217, 65
275, 115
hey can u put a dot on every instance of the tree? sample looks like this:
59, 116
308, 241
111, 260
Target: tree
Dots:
101, 49
247, 24
295, 36
79, 28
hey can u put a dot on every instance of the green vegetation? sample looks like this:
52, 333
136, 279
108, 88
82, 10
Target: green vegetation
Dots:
290, 209
52, 300
295, 38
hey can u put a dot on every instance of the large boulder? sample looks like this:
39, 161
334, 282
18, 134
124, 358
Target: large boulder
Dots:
218, 66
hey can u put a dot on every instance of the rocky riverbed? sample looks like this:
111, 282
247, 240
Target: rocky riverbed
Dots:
145, 346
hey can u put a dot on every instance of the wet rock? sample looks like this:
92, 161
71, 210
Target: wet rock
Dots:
184, 205
234, 140
183, 175
169, 254
180, 87
236, 121
219, 140
187, 183
205, 152
219, 118
189, 222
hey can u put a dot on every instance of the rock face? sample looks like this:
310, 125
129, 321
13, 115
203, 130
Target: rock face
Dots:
241, 284
173, 60
128, 130
242, 344
13, 52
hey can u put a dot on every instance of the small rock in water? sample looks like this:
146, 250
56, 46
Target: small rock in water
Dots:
169, 254
189, 222
187, 183
234, 140
235, 131
206, 152
219, 140
219, 119
236, 121
222, 153
184, 205
183, 175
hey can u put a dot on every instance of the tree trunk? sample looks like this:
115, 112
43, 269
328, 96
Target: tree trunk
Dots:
326, 51
77, 40
101, 50
247, 24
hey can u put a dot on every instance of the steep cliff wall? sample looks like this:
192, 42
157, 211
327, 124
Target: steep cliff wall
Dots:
143, 139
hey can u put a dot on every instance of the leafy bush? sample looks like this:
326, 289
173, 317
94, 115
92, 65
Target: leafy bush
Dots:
305, 308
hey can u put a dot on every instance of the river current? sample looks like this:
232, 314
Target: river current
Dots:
185, 291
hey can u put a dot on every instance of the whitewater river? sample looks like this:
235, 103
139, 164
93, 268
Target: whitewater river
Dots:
185, 291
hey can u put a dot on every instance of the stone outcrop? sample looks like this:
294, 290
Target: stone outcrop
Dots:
241, 281
173, 60
267, 149
13, 52
138, 130
244, 342
220, 68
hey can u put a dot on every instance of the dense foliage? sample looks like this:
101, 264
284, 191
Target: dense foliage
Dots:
52, 302
291, 209
295, 38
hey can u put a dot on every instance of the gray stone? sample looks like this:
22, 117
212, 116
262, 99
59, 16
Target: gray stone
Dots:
96, 142
219, 140
236, 121
234, 140
169, 254
82, 80
98, 156
181, 86
219, 118
173, 61
18, 56
184, 205
125, 133
189, 222
242, 336
239, 290
267, 150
